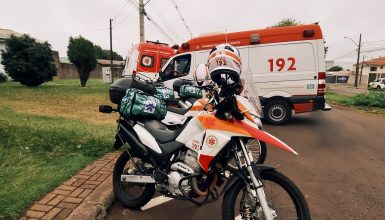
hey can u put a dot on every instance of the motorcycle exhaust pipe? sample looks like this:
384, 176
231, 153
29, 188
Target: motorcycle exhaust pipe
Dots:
137, 179
203, 193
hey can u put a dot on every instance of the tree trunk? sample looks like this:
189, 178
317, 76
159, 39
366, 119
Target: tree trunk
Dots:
83, 75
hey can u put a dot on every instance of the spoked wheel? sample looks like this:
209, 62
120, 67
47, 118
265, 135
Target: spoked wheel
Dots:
132, 195
283, 197
257, 152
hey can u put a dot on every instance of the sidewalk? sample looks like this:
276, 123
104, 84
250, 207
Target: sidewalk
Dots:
86, 195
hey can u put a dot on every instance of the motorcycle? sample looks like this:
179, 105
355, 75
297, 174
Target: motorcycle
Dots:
191, 163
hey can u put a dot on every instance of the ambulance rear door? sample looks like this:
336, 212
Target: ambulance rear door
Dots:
285, 69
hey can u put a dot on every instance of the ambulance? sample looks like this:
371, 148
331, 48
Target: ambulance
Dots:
287, 66
147, 58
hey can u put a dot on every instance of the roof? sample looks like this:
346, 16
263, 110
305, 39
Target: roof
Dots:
107, 62
376, 62
64, 60
154, 47
262, 36
6, 33
100, 61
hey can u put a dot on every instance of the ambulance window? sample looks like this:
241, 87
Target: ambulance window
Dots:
179, 66
147, 61
163, 61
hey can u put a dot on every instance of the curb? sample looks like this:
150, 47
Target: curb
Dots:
96, 204
86, 195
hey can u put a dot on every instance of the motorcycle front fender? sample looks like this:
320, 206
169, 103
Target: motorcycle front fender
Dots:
266, 137
242, 129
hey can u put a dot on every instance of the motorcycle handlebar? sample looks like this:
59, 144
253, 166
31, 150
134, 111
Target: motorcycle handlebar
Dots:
106, 109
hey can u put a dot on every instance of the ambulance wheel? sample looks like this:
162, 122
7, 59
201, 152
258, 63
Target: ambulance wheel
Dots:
277, 112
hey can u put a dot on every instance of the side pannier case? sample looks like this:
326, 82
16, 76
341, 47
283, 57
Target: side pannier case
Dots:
165, 94
136, 104
189, 91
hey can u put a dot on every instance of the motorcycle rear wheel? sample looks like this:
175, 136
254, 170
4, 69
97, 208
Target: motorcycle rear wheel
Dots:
131, 195
284, 200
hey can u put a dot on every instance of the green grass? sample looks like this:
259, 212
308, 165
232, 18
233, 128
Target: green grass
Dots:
38, 153
58, 98
372, 102
47, 134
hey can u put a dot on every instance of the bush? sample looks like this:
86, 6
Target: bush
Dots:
27, 61
82, 53
106, 55
335, 69
371, 99
3, 78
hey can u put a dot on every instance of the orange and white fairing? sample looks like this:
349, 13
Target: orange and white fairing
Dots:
207, 135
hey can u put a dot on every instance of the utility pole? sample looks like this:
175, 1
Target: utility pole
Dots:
362, 66
111, 64
141, 20
358, 62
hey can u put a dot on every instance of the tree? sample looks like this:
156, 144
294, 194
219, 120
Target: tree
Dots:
286, 22
105, 54
3, 77
335, 69
81, 52
292, 22
27, 61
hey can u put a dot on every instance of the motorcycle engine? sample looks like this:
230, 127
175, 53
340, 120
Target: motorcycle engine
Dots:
187, 165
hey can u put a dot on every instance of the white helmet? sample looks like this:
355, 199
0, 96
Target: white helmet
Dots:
224, 64
201, 75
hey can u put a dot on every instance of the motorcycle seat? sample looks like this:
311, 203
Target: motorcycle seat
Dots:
160, 132
179, 110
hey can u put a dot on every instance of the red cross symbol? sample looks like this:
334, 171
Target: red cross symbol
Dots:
146, 61
212, 141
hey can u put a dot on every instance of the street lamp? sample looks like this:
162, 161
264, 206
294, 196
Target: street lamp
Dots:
358, 58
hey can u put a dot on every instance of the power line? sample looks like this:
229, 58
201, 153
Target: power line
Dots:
120, 11
159, 28
181, 17
370, 42
166, 23
125, 18
345, 55
374, 50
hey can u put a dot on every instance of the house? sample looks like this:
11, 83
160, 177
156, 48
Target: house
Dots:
371, 70
4, 34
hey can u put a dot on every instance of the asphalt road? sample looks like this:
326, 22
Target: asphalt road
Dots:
340, 170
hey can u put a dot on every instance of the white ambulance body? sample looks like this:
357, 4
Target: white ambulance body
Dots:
287, 66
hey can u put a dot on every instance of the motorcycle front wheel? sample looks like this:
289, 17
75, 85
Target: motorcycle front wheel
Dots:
257, 150
132, 195
284, 200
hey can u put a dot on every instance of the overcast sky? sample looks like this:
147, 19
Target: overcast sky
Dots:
54, 21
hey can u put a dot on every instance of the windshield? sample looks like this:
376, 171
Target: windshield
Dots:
251, 92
